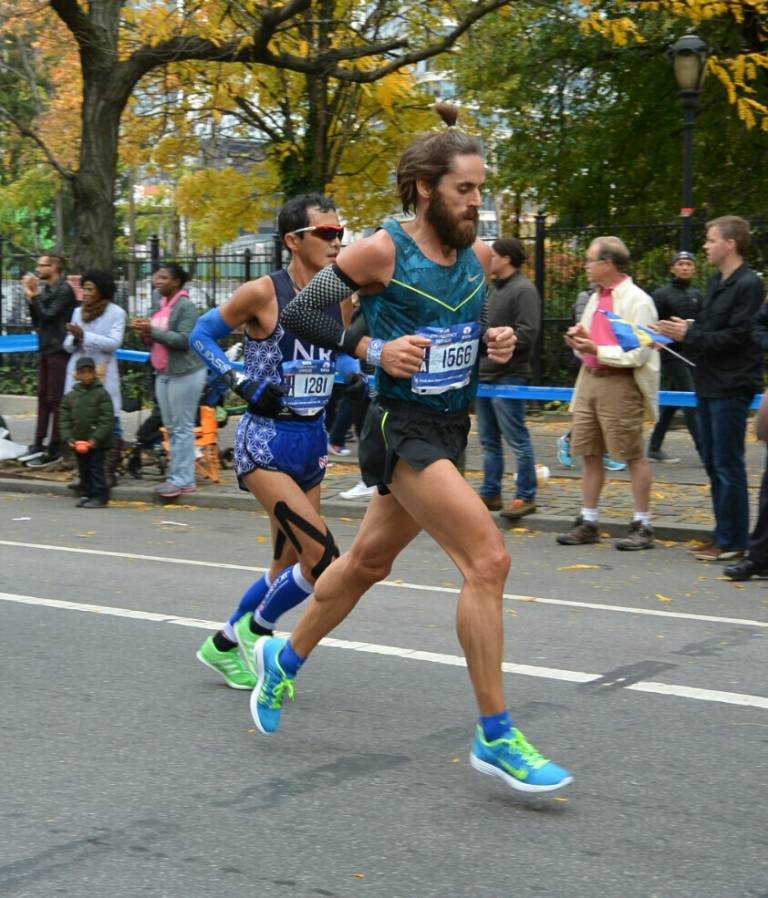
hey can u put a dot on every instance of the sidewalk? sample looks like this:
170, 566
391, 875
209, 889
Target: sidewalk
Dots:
681, 506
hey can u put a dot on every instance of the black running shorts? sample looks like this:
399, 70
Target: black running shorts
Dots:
420, 436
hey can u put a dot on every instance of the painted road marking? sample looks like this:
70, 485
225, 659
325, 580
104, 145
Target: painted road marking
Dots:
399, 584
526, 670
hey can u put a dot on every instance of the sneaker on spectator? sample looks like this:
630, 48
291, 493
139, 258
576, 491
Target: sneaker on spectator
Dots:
564, 451
168, 490
35, 450
610, 465
358, 491
661, 456
51, 457
492, 503
184, 490
339, 450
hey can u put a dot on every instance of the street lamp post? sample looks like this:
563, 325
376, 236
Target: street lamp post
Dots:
689, 62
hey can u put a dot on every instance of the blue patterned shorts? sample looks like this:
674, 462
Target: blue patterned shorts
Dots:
296, 448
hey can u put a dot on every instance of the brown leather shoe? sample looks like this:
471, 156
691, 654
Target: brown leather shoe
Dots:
583, 532
715, 553
492, 503
518, 509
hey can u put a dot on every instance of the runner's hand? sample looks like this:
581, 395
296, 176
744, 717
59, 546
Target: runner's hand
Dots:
403, 357
501, 343
263, 399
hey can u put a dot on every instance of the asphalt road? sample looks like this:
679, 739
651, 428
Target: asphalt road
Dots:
130, 770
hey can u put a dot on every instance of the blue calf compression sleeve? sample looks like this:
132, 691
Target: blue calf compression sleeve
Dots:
252, 598
210, 328
289, 589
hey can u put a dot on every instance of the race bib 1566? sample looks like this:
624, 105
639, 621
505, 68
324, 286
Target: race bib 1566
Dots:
449, 360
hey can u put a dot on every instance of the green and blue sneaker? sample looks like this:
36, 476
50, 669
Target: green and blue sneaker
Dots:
246, 641
517, 762
273, 687
228, 664
610, 465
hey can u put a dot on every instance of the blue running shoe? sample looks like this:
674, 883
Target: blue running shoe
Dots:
273, 686
517, 762
564, 451
610, 465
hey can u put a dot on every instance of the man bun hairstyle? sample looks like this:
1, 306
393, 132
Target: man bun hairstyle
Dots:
511, 248
430, 156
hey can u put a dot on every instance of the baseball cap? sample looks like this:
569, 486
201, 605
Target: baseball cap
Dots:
683, 256
85, 361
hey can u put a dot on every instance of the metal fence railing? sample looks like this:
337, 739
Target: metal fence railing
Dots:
555, 263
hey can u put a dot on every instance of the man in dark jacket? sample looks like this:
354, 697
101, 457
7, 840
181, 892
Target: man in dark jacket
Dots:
87, 420
729, 371
756, 562
51, 303
677, 299
514, 301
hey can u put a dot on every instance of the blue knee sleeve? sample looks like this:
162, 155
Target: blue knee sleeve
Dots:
289, 589
253, 597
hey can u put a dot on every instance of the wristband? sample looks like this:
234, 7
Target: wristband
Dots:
373, 353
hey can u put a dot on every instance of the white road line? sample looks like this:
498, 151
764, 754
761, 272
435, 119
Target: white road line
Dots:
400, 584
526, 670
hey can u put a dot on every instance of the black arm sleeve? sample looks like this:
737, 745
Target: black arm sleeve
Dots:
305, 313
484, 324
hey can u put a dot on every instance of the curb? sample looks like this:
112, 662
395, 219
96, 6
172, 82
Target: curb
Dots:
337, 508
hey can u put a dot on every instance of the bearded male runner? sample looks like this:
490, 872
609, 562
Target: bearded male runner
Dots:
422, 285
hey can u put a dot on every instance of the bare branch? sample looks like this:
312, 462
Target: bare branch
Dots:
26, 131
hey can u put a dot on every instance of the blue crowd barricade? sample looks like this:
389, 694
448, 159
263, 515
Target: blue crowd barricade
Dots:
19, 343
28, 343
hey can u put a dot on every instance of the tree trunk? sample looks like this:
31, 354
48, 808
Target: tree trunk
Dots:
93, 186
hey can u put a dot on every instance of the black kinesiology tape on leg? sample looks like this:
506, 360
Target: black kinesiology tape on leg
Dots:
305, 314
286, 517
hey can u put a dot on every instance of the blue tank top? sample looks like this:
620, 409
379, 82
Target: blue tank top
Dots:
442, 302
305, 371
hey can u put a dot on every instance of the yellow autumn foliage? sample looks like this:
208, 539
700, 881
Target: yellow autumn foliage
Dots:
737, 72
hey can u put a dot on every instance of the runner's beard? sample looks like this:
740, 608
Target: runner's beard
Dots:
458, 233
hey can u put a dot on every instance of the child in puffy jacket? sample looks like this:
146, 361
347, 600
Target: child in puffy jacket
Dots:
87, 421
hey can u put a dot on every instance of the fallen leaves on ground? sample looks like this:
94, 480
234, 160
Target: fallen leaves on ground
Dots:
580, 567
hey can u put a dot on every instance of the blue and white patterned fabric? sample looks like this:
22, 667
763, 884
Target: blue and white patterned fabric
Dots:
289, 444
